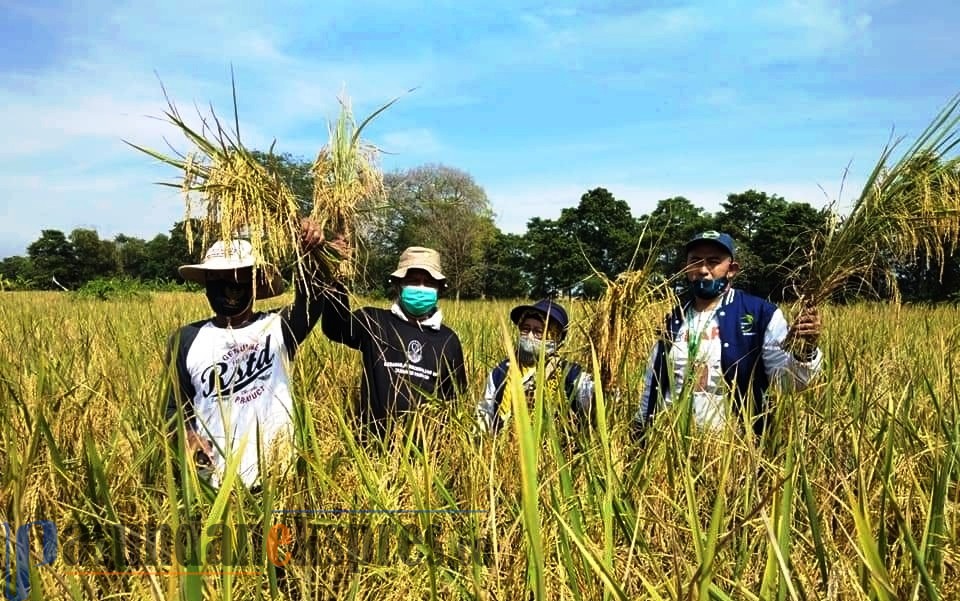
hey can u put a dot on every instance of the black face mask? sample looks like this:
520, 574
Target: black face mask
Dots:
229, 298
708, 289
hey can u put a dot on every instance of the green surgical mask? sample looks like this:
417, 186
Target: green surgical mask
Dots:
418, 300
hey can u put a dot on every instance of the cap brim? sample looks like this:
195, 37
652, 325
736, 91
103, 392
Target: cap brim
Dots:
517, 313
550, 316
714, 241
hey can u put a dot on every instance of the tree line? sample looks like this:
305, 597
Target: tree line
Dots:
444, 208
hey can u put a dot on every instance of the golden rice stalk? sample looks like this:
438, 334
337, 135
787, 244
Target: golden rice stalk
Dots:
627, 319
347, 182
239, 197
910, 208
904, 211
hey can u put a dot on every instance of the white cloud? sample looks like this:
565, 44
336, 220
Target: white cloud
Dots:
65, 124
808, 28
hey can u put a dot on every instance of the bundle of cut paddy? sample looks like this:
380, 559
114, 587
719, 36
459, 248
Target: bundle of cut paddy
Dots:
241, 196
346, 180
906, 211
627, 320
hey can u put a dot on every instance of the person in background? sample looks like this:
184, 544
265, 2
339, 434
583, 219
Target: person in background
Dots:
541, 330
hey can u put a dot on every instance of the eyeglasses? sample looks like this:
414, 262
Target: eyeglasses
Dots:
537, 332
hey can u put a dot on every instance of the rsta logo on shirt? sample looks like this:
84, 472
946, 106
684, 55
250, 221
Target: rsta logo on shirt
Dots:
237, 374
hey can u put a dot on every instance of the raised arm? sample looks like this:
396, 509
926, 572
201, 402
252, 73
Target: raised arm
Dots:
310, 285
300, 317
337, 321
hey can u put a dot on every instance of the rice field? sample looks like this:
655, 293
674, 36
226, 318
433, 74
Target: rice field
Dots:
852, 494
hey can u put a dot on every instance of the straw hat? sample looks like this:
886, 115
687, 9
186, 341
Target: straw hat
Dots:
418, 257
237, 254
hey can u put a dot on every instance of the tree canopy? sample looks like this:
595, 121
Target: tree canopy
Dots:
443, 207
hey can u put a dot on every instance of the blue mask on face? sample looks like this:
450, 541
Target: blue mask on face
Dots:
418, 300
708, 289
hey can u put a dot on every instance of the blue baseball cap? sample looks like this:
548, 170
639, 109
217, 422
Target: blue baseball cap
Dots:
714, 236
546, 309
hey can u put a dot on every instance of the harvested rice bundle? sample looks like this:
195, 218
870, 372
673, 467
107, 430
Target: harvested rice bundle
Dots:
346, 182
627, 319
240, 196
910, 207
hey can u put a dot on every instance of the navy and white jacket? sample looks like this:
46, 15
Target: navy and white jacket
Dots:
749, 332
492, 412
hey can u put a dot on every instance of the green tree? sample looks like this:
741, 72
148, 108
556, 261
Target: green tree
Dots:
554, 264
605, 231
163, 254
439, 207
599, 234
95, 258
504, 276
158, 265
53, 260
926, 280
667, 229
17, 271
741, 213
132, 256
773, 236
178, 248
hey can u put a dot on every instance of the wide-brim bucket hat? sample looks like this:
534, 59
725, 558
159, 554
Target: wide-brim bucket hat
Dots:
237, 254
418, 257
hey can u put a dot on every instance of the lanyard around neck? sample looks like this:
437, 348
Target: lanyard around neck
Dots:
694, 336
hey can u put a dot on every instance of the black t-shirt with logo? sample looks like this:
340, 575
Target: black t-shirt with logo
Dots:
404, 362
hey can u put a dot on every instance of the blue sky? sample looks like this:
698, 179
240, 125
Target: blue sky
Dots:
538, 102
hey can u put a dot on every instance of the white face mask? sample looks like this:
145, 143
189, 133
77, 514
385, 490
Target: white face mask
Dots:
529, 349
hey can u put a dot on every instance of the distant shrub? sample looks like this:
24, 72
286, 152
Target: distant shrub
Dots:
114, 288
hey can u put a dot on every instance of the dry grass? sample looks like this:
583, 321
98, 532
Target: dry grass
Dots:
856, 473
